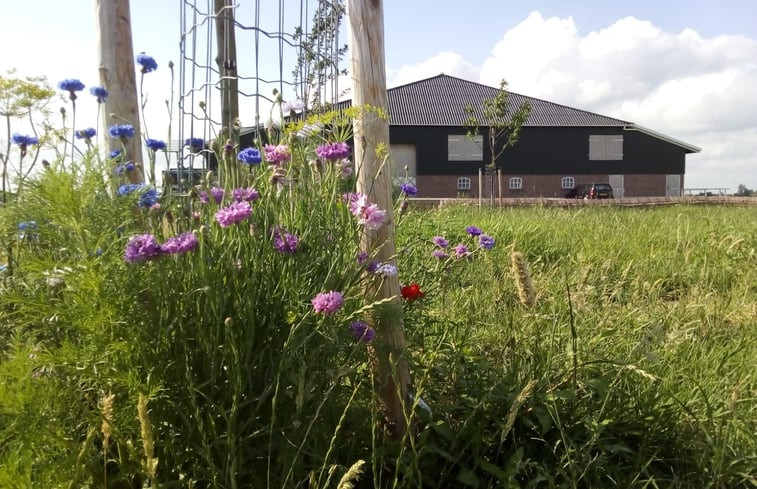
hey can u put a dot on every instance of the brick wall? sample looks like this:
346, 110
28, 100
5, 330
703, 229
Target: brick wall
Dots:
437, 186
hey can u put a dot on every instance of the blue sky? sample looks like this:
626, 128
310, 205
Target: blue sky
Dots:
682, 67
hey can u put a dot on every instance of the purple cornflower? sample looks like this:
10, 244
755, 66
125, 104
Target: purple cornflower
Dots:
333, 151
328, 302
195, 144
439, 254
237, 211
461, 251
362, 257
362, 332
148, 63
344, 167
440, 241
408, 189
485, 241
100, 93
473, 231
121, 131
155, 144
180, 244
368, 215
277, 154
141, 248
71, 85
386, 270
245, 194
250, 156
372, 266
216, 192
284, 241
87, 133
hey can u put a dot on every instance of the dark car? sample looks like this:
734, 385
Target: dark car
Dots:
590, 191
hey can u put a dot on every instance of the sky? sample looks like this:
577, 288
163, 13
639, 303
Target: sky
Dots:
685, 68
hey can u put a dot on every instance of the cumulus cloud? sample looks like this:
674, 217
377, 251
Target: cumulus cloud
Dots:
691, 87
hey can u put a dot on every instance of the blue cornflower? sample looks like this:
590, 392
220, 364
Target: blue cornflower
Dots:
155, 144
473, 231
27, 229
250, 156
408, 189
130, 188
122, 131
24, 141
71, 85
195, 144
149, 198
148, 63
116, 153
87, 133
485, 241
100, 93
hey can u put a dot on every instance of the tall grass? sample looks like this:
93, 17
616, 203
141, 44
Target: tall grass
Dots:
631, 365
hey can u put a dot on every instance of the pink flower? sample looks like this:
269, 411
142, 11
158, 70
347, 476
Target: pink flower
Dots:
277, 154
328, 302
368, 214
237, 211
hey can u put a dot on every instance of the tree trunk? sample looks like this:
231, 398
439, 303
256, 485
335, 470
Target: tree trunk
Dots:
118, 76
375, 180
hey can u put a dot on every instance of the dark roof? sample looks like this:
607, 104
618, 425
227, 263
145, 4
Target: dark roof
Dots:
442, 100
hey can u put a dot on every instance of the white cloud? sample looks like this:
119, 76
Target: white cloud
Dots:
682, 84
449, 63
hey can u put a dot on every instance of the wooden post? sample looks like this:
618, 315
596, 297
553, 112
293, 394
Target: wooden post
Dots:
226, 59
375, 181
499, 187
118, 76
480, 187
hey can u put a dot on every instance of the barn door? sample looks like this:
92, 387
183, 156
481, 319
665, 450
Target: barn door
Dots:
616, 182
673, 185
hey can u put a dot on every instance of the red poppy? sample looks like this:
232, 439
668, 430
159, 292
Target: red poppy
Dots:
412, 292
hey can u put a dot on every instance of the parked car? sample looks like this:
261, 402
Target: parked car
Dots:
590, 191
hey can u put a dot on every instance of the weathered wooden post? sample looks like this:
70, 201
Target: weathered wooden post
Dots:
226, 59
118, 76
375, 180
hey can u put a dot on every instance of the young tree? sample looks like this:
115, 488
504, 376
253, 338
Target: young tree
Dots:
317, 67
21, 101
501, 123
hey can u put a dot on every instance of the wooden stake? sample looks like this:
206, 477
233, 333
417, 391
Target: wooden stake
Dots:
118, 76
227, 66
375, 180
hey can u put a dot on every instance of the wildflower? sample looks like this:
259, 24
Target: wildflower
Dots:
344, 167
129, 166
245, 194
294, 106
439, 254
412, 292
180, 244
148, 63
284, 241
440, 241
333, 151
87, 133
473, 231
121, 131
372, 266
155, 144
250, 156
328, 302
100, 93
362, 332
71, 85
217, 193
116, 153
195, 144
148, 199
386, 270
24, 141
130, 188
485, 241
408, 189
277, 154
234, 213
461, 251
362, 257
141, 248
369, 215
526, 291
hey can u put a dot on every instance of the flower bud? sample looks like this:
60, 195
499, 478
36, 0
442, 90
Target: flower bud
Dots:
228, 322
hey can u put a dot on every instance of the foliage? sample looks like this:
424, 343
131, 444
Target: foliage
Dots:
744, 191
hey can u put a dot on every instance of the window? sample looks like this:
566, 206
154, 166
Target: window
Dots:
462, 148
463, 183
516, 183
605, 147
568, 182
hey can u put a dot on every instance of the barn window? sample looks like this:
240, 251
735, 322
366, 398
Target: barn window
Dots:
568, 182
605, 147
516, 183
463, 183
463, 148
